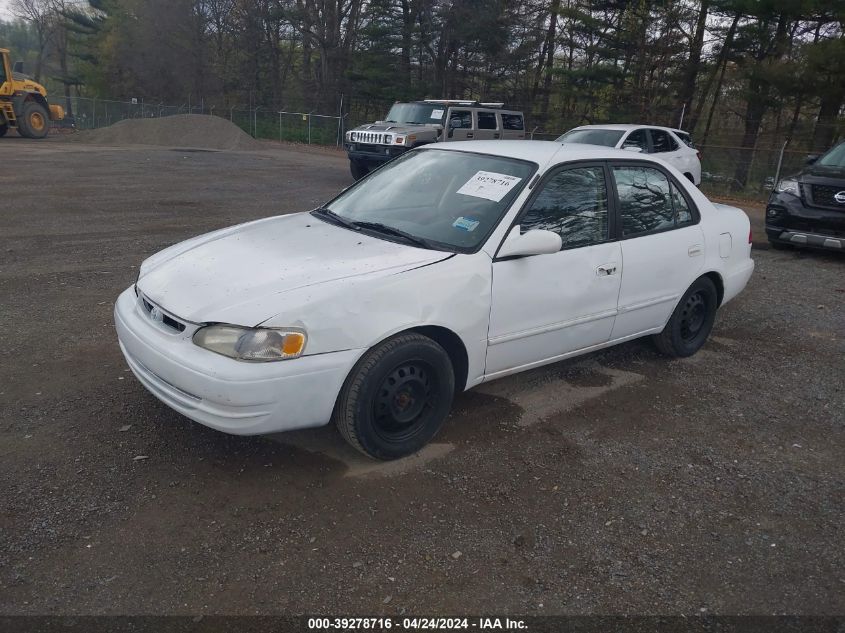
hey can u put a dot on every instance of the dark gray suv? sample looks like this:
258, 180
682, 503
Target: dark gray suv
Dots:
808, 209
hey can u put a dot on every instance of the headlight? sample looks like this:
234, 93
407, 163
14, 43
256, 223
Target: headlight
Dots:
252, 344
788, 185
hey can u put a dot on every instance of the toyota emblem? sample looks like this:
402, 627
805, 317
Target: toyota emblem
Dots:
156, 315
840, 197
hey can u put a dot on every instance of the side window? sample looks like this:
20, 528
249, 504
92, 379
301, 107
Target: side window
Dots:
486, 120
637, 138
682, 210
648, 202
573, 204
512, 122
661, 141
461, 119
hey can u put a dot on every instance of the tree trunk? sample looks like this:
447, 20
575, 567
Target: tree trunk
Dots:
550, 59
720, 64
687, 89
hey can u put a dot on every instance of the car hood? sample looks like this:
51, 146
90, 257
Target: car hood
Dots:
397, 128
820, 173
236, 275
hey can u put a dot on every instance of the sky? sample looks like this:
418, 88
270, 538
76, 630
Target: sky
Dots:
5, 10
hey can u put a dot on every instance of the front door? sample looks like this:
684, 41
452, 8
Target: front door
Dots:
546, 306
460, 125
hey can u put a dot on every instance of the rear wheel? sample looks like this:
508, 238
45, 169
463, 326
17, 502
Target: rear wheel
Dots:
34, 121
691, 322
358, 169
3, 129
396, 397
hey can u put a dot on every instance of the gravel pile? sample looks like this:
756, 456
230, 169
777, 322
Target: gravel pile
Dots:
199, 131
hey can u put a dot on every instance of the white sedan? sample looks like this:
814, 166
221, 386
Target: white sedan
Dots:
446, 268
673, 146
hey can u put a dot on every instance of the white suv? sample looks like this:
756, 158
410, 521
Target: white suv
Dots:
673, 146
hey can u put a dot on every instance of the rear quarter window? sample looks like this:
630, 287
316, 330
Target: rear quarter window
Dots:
512, 122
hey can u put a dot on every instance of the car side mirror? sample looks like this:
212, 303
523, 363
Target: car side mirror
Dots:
811, 158
18, 67
533, 242
632, 148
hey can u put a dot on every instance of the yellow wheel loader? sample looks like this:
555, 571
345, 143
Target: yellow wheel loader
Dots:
23, 102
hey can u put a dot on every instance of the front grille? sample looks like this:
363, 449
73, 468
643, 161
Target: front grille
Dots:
371, 138
824, 196
164, 319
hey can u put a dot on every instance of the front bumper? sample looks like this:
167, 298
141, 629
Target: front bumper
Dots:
374, 154
790, 220
222, 393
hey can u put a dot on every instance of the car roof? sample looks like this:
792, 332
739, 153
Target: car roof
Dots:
540, 152
627, 126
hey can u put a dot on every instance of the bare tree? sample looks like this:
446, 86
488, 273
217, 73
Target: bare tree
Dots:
39, 13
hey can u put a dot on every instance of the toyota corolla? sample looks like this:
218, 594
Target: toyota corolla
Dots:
446, 268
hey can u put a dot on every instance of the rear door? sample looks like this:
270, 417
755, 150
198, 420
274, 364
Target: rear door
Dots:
488, 125
662, 245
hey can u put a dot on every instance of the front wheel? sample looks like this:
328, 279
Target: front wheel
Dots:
396, 397
358, 169
691, 322
34, 121
3, 129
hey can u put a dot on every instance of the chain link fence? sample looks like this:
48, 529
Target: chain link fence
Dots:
727, 170
295, 127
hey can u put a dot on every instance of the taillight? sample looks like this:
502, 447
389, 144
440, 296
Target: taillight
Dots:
749, 236
698, 155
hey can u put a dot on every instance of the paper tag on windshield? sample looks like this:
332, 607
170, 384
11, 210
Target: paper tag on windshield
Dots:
489, 185
437, 114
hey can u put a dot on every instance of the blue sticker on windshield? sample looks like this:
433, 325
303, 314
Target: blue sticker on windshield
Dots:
466, 224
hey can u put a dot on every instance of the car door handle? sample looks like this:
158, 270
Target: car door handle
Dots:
694, 250
605, 270
470, 135
496, 135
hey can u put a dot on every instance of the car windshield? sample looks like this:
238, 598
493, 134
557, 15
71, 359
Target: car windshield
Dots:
416, 113
834, 158
592, 136
435, 198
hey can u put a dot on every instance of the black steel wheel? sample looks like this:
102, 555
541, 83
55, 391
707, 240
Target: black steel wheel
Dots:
691, 322
396, 397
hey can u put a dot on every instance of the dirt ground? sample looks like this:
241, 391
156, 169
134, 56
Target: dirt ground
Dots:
616, 483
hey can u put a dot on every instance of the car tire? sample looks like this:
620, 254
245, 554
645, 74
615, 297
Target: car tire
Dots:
34, 120
395, 399
358, 169
3, 129
691, 322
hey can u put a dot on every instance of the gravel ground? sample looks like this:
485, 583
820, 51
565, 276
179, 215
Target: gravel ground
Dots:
616, 483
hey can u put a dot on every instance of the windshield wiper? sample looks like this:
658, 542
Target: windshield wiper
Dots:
334, 217
378, 227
